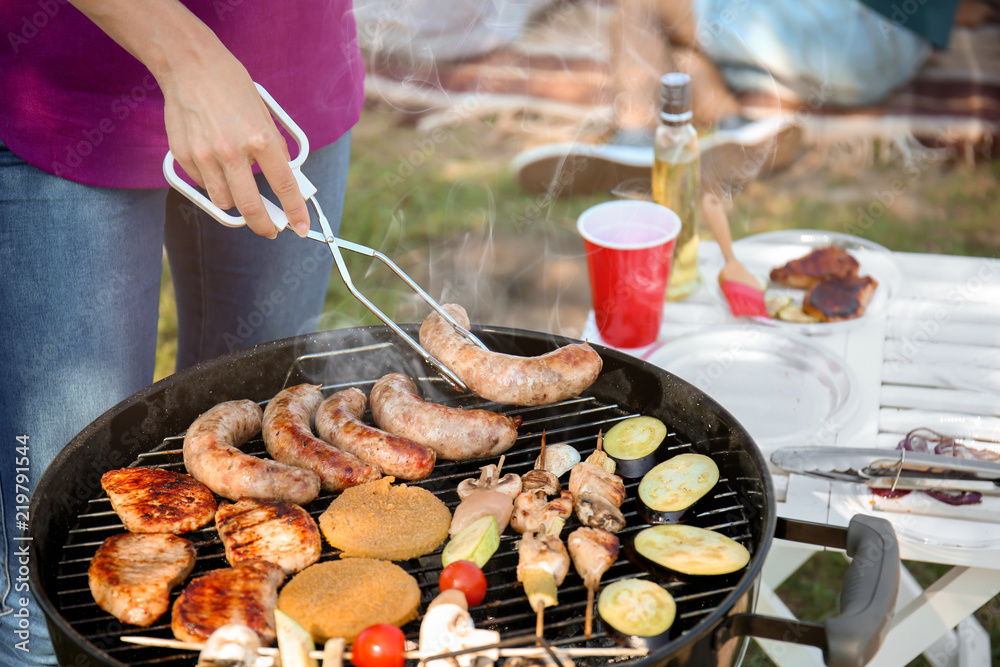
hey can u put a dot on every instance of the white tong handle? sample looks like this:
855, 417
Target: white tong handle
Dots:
273, 210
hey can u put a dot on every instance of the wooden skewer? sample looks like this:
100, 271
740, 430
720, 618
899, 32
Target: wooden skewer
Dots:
588, 619
541, 455
540, 620
600, 440
570, 652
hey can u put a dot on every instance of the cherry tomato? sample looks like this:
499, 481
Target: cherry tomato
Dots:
466, 577
380, 645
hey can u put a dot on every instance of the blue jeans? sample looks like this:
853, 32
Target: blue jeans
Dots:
827, 53
80, 271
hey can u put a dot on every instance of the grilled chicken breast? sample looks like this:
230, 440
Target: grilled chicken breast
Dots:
544, 552
533, 511
151, 500
280, 533
597, 495
593, 551
246, 594
821, 264
840, 299
132, 574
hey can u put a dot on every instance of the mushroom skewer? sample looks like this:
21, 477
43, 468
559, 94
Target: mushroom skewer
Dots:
541, 567
490, 480
542, 558
540, 479
594, 550
597, 492
532, 509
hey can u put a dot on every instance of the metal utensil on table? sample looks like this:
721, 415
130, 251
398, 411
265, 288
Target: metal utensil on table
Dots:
326, 236
891, 470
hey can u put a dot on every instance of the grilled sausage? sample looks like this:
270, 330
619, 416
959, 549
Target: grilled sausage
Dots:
455, 434
504, 378
338, 421
289, 438
211, 457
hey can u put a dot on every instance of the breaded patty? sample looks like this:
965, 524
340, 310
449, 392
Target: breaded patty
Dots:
343, 597
383, 520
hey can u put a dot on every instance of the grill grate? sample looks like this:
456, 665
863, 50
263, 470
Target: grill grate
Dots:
577, 422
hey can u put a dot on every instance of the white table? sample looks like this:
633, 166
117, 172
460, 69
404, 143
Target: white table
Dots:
945, 313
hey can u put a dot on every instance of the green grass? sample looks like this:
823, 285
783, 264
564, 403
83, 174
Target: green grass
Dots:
407, 190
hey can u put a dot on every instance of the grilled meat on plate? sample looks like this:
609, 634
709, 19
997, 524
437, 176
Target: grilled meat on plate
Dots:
132, 574
151, 500
840, 299
281, 533
246, 594
821, 264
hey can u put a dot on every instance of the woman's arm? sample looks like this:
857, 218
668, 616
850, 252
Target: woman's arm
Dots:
217, 125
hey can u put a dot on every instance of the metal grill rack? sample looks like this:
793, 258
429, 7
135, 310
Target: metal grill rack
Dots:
729, 510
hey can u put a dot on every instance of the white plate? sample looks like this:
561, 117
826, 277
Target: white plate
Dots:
782, 390
920, 519
762, 252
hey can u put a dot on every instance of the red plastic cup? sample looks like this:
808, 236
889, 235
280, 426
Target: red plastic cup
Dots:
629, 249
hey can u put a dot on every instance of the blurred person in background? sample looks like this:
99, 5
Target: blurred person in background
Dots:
817, 53
419, 31
94, 93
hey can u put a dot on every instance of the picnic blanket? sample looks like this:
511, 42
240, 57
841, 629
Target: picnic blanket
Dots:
559, 69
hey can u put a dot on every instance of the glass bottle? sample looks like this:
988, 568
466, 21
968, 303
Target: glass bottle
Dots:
677, 179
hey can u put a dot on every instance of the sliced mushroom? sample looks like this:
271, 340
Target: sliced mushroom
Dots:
490, 480
231, 645
448, 627
559, 459
595, 511
540, 480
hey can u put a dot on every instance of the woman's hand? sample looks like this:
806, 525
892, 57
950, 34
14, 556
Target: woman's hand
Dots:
217, 125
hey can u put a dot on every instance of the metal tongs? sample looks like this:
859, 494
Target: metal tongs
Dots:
892, 470
325, 236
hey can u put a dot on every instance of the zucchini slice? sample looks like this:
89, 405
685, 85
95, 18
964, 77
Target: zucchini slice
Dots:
476, 542
689, 550
637, 613
670, 490
633, 442
294, 641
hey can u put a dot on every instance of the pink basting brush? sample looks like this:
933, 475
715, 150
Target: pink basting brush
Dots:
742, 289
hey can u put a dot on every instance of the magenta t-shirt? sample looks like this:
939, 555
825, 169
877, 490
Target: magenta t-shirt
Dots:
76, 104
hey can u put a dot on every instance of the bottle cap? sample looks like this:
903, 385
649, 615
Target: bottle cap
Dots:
675, 97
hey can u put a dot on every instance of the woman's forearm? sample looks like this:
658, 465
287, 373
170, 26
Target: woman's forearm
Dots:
217, 125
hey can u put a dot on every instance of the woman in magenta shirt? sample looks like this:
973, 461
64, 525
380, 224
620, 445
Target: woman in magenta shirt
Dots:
93, 94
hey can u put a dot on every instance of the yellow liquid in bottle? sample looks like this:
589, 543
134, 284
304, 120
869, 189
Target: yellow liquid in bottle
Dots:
676, 185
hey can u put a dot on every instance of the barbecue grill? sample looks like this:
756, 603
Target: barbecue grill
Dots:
72, 515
